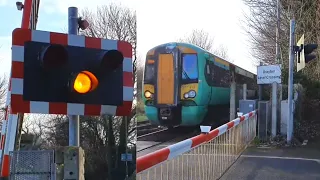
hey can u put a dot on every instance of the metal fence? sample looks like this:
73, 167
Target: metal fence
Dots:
32, 165
204, 157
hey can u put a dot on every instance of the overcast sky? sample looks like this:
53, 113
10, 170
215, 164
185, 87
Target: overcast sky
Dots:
158, 22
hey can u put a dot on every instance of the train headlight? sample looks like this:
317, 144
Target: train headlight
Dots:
190, 94
148, 94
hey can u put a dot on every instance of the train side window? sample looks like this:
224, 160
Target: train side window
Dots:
210, 74
208, 69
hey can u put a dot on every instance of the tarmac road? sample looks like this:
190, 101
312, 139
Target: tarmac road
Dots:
276, 164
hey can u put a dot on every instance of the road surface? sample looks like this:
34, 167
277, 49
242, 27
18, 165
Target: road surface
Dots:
276, 164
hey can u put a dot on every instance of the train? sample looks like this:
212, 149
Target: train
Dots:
183, 83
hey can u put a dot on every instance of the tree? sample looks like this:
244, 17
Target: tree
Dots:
260, 26
222, 52
202, 39
34, 130
140, 68
3, 96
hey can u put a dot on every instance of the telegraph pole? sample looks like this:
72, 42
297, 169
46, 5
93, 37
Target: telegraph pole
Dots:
279, 60
278, 56
274, 84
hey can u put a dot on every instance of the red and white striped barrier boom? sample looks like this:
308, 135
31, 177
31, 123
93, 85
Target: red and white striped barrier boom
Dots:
147, 161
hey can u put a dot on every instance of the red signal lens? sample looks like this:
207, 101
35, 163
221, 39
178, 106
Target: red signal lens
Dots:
54, 56
112, 60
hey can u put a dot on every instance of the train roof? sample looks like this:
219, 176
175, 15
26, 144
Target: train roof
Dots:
198, 48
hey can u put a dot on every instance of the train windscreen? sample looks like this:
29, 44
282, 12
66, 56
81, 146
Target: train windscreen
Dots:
149, 70
189, 67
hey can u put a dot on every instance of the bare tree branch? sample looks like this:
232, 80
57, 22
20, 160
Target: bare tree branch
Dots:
222, 52
260, 26
199, 38
3, 95
202, 39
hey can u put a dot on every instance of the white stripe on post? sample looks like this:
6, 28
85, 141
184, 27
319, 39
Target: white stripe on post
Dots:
127, 65
7, 140
127, 93
108, 110
13, 132
75, 109
39, 107
17, 86
75, 40
108, 44
17, 53
40, 36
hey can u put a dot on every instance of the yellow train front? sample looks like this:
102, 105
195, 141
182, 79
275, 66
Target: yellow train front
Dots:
182, 81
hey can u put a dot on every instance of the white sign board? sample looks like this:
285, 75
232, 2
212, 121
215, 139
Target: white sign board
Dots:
269, 74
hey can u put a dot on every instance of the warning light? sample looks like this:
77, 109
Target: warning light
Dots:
54, 56
112, 59
148, 94
61, 71
85, 82
150, 61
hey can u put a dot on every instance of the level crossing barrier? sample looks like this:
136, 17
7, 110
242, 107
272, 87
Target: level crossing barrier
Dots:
203, 157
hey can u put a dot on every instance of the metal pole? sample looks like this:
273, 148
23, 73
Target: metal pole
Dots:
244, 91
260, 90
74, 138
274, 110
126, 124
233, 98
277, 34
290, 81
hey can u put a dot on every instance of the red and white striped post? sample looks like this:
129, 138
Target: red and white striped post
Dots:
8, 133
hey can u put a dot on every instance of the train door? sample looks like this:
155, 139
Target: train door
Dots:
165, 76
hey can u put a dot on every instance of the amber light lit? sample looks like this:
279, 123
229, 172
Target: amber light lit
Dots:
148, 94
85, 82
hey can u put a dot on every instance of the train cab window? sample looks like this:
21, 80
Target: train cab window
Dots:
189, 67
149, 70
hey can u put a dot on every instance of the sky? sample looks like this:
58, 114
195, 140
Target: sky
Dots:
157, 22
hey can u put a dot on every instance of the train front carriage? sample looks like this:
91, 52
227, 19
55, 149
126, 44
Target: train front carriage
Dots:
171, 85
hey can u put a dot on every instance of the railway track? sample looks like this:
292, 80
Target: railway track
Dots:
145, 128
152, 133
167, 136
143, 123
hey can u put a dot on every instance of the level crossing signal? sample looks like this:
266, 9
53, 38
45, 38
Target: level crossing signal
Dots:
57, 73
304, 53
